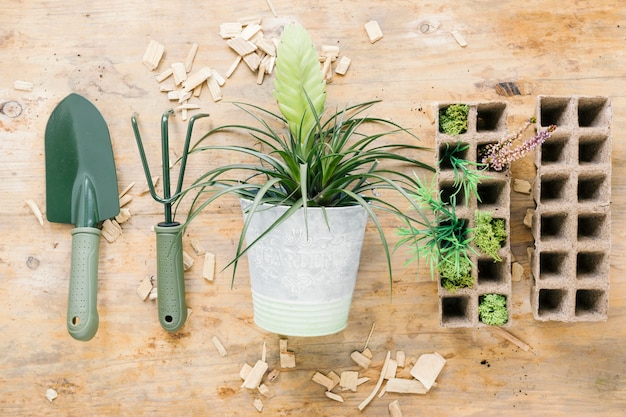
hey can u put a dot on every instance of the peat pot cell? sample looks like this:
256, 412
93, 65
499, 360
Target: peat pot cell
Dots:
448, 189
554, 110
491, 193
447, 150
590, 265
554, 150
455, 310
490, 272
552, 264
553, 226
592, 149
593, 112
590, 302
550, 301
553, 188
592, 188
491, 117
592, 226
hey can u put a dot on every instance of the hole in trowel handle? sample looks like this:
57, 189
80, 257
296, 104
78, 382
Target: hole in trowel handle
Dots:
169, 318
75, 321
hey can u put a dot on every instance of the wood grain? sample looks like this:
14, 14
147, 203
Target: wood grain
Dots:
133, 368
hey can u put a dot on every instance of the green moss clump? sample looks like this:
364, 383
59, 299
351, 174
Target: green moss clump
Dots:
489, 234
455, 276
492, 309
453, 119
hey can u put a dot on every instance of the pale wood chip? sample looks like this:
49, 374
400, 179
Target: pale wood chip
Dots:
23, 85
324, 381
360, 359
152, 56
241, 46
348, 380
367, 353
111, 230
254, 377
373, 31
197, 78
218, 77
164, 75
184, 96
379, 383
187, 261
197, 91
166, 88
214, 89
125, 200
392, 367
233, 66
521, 186
35, 209
208, 268
153, 294
333, 396
405, 386
400, 358
250, 31
265, 391
230, 30
342, 66
287, 359
459, 38
144, 289
127, 189
51, 394
180, 75
191, 55
427, 368
266, 46
244, 371
362, 380
260, 75
394, 409
197, 247
187, 106
528, 218
124, 215
508, 336
258, 404
252, 61
334, 378
219, 346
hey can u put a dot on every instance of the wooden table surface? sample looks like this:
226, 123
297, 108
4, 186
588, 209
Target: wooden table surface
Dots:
134, 368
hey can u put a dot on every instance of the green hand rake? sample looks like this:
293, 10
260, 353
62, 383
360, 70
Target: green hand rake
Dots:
169, 233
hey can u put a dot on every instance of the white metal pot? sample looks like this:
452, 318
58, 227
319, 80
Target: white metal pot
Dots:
303, 280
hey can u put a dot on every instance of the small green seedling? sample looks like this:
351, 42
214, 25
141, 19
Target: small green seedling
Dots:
492, 309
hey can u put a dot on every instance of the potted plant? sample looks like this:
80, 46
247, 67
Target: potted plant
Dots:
307, 196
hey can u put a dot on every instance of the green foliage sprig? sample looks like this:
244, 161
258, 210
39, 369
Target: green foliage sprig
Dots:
444, 242
453, 119
467, 174
489, 234
492, 309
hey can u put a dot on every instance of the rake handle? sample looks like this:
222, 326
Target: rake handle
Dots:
170, 276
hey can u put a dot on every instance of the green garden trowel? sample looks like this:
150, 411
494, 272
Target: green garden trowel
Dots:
81, 189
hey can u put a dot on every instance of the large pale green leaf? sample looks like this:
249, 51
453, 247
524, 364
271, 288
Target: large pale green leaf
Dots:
298, 80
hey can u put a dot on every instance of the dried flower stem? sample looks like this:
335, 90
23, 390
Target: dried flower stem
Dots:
500, 155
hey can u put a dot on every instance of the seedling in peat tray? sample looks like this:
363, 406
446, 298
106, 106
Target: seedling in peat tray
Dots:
453, 119
489, 234
492, 309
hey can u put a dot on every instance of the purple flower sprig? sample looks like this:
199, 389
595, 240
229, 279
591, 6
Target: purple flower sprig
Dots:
500, 155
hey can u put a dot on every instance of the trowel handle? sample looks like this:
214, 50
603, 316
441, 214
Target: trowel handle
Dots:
170, 278
82, 315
